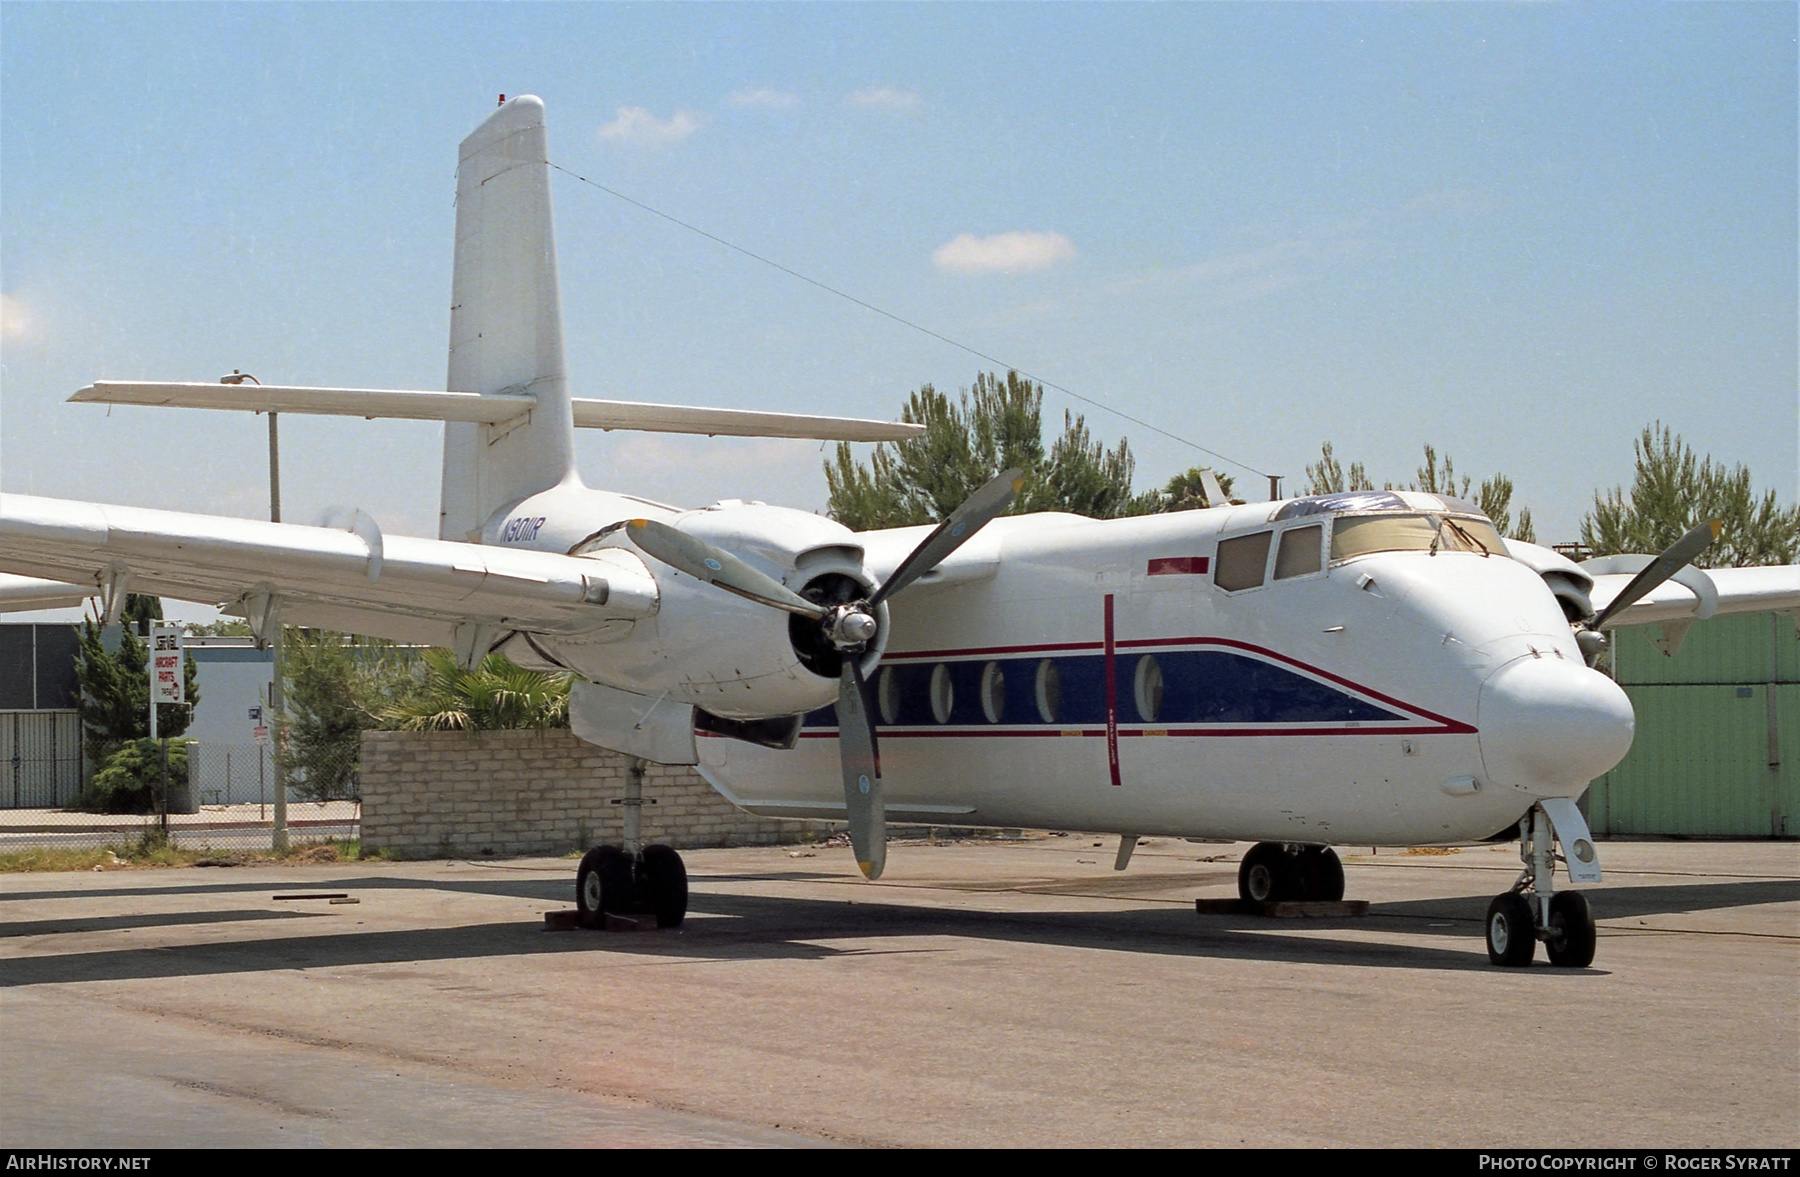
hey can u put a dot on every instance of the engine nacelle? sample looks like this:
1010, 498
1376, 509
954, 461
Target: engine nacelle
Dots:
730, 656
1567, 580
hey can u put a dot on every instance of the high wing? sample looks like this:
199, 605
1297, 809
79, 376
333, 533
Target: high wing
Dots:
1695, 594
408, 589
19, 593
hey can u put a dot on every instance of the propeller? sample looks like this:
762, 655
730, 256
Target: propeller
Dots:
849, 627
1673, 558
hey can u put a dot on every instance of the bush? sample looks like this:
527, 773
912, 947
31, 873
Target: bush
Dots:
130, 781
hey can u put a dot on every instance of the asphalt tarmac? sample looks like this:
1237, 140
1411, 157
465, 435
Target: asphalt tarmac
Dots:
995, 993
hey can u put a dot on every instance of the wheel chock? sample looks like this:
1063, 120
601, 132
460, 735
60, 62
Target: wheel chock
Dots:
1310, 909
569, 921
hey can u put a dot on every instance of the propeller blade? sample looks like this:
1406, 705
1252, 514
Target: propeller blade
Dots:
862, 772
1679, 553
702, 561
976, 512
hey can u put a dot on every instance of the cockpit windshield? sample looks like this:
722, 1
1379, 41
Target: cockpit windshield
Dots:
1367, 521
1358, 535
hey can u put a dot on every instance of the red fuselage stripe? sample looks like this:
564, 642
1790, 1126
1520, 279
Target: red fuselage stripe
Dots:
1112, 698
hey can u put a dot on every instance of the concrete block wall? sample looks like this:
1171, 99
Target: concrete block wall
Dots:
507, 793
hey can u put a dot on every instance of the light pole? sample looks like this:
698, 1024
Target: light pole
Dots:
278, 835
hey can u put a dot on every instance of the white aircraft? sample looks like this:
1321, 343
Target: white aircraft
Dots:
1360, 668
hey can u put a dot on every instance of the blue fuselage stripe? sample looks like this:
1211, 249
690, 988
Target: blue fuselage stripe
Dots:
1205, 687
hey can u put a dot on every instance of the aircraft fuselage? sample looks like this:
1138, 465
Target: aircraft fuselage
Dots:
1074, 673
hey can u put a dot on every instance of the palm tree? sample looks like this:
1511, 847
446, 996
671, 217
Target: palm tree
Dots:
495, 694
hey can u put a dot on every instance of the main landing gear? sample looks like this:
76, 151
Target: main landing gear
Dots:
613, 881
1534, 910
1281, 872
624, 881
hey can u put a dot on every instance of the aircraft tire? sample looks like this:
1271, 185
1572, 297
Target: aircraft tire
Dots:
590, 890
1571, 942
1323, 873
602, 884
665, 885
1269, 874
1511, 931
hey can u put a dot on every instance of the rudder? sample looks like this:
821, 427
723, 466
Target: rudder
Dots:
505, 323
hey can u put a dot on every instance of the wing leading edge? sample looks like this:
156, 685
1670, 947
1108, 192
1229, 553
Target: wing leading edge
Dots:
399, 587
1696, 594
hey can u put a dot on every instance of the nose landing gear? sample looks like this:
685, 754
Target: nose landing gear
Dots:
1534, 910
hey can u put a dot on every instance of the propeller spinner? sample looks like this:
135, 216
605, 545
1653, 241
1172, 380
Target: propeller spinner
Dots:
849, 627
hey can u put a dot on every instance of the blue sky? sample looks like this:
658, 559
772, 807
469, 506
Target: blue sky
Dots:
1520, 233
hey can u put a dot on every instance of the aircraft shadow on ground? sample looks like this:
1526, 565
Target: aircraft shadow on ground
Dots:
1612, 903
556, 888
741, 927
112, 923
752, 927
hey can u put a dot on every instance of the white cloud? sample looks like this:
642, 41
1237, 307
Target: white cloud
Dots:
14, 322
17, 321
764, 97
1003, 252
637, 125
884, 97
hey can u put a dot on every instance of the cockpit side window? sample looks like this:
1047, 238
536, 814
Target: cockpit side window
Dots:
1242, 561
1300, 552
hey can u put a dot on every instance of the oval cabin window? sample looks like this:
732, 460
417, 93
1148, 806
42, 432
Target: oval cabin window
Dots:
943, 694
993, 692
887, 695
1049, 691
1147, 685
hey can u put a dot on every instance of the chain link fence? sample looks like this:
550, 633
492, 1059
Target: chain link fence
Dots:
226, 803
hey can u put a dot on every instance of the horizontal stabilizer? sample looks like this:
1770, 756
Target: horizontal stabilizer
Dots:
491, 410
592, 414
330, 402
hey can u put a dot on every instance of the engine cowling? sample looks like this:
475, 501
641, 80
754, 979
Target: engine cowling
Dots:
733, 657
1567, 581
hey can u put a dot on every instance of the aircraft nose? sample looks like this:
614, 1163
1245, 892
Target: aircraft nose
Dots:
1549, 726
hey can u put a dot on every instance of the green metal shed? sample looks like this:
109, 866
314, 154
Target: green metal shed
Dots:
1717, 752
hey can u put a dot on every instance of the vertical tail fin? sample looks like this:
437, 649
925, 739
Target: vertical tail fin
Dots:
505, 322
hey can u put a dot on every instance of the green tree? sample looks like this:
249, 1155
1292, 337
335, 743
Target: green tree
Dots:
335, 687
994, 425
1185, 491
1326, 476
224, 627
115, 685
1493, 496
494, 695
1673, 491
